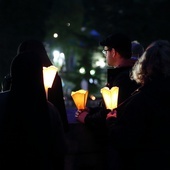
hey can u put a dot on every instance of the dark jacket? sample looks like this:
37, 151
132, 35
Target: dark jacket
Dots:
56, 97
55, 94
141, 132
21, 150
121, 77
30, 135
116, 77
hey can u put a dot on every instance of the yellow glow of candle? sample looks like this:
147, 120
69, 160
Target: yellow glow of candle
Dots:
49, 75
110, 97
80, 98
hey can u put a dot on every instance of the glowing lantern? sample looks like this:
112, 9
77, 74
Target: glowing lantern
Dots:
110, 97
49, 75
80, 98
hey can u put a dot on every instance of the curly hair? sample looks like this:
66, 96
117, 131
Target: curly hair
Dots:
154, 63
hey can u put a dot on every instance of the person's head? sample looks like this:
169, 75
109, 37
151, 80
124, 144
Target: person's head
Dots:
35, 46
117, 47
137, 49
154, 63
26, 72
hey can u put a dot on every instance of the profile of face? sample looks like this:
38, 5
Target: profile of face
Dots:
110, 53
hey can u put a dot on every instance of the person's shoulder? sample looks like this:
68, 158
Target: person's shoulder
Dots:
4, 96
118, 71
3, 100
4, 93
123, 71
139, 97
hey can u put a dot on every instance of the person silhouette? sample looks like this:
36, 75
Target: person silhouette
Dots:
55, 93
139, 128
32, 134
117, 51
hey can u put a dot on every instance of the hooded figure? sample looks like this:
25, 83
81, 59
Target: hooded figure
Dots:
55, 94
27, 132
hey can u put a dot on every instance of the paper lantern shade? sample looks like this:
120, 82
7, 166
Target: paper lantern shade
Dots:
80, 98
110, 97
48, 76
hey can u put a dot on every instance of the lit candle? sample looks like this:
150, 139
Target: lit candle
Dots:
110, 97
80, 98
49, 75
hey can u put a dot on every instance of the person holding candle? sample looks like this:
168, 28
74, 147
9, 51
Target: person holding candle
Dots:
55, 93
117, 50
139, 129
31, 133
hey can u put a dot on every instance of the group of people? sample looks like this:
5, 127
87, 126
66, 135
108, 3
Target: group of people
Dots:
136, 133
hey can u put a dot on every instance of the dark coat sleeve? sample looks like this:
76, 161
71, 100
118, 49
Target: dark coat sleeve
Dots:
57, 98
96, 119
127, 129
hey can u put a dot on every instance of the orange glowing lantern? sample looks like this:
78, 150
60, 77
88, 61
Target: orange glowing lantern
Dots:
80, 98
110, 97
49, 75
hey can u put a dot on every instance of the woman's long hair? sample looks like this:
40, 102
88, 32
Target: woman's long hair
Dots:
154, 63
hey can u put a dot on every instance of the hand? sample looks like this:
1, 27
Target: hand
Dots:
112, 114
80, 115
78, 112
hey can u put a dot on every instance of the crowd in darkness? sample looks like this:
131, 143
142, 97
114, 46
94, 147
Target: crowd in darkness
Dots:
134, 135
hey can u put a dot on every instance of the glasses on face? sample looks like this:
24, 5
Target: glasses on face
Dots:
105, 51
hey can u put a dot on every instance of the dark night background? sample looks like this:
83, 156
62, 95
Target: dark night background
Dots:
90, 21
